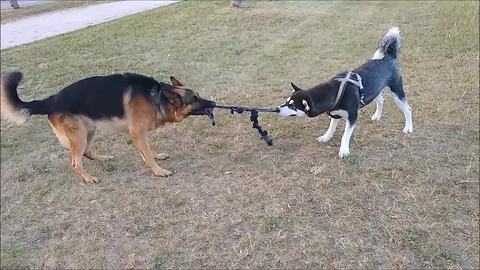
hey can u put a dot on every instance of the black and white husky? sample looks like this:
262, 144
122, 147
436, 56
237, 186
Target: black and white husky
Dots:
343, 95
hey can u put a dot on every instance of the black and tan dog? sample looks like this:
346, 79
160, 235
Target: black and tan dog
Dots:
122, 102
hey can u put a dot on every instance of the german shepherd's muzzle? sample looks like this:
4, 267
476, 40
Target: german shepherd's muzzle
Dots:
181, 96
201, 106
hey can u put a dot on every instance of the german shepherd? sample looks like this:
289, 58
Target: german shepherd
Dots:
127, 102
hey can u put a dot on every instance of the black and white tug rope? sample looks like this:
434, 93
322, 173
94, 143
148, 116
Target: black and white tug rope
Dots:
253, 118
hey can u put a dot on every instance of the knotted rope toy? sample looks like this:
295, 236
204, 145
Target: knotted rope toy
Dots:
253, 117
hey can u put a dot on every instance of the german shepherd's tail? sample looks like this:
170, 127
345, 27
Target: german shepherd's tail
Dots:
389, 45
14, 109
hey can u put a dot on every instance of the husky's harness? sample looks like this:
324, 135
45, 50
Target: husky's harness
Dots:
341, 89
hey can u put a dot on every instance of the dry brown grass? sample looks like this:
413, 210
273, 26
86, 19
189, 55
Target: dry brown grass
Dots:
407, 201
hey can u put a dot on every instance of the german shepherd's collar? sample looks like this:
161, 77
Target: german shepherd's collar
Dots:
125, 102
382, 71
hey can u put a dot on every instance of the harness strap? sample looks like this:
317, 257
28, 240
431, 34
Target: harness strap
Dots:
341, 89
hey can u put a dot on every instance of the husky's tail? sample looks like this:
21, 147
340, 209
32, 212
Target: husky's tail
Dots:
14, 109
389, 45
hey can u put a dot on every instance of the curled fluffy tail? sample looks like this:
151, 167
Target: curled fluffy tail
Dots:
389, 45
14, 109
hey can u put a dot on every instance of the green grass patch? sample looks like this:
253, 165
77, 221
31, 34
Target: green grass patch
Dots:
11, 256
110, 165
350, 159
272, 224
410, 237
159, 262
448, 257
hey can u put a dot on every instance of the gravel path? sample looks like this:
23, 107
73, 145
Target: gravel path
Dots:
50, 24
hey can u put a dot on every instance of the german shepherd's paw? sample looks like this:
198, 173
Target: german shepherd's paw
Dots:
162, 172
91, 180
162, 156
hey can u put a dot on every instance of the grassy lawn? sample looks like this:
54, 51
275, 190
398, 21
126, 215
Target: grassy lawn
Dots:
403, 201
15, 14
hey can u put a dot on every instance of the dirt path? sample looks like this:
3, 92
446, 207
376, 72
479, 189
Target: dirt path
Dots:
50, 24
5, 5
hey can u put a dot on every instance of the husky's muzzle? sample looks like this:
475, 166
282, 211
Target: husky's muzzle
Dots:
287, 110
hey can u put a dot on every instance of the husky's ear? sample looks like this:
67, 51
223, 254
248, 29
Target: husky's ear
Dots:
305, 105
175, 82
295, 88
173, 97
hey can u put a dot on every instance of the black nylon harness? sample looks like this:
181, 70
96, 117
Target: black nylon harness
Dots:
341, 89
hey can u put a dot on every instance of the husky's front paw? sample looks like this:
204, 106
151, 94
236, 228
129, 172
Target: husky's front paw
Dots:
324, 138
376, 117
344, 151
408, 129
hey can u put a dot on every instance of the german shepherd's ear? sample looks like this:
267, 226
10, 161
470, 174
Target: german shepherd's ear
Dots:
173, 97
295, 88
175, 82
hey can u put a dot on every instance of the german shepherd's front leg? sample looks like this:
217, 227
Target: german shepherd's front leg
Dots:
141, 141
